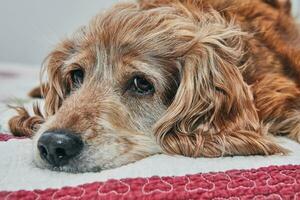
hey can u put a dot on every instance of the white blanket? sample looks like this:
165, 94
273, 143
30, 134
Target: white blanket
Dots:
18, 172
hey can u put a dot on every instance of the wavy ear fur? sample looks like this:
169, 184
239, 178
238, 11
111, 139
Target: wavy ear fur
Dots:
213, 113
53, 91
56, 89
39, 92
25, 124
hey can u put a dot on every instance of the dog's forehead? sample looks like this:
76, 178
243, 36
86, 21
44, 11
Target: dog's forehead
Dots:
127, 39
129, 31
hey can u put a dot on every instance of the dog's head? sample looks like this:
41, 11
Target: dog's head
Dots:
141, 80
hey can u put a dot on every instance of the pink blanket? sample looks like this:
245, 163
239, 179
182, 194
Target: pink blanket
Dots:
274, 182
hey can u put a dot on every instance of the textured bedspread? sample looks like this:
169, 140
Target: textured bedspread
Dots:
156, 177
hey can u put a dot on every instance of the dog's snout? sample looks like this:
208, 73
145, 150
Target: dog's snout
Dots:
57, 148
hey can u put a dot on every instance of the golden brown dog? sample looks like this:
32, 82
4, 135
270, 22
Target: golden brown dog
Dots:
191, 77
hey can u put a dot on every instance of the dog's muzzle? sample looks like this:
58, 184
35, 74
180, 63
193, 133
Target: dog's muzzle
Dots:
57, 148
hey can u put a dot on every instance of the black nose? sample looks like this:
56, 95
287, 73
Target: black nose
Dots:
57, 148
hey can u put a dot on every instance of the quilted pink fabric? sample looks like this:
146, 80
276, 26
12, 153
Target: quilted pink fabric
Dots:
274, 182
6, 137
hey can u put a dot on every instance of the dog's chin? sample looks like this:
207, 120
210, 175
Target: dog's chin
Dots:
85, 162
94, 159
72, 169
74, 166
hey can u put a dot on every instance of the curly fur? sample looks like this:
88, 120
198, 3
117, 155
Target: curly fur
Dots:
226, 73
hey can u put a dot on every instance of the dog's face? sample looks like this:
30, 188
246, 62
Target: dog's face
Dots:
129, 85
115, 88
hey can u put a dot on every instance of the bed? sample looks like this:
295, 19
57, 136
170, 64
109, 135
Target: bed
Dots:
156, 177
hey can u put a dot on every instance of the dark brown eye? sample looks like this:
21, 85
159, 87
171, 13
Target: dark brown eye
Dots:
141, 86
77, 77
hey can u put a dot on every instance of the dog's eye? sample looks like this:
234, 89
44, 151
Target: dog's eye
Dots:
77, 76
141, 86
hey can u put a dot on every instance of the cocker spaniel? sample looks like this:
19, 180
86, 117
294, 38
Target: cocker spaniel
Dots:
199, 78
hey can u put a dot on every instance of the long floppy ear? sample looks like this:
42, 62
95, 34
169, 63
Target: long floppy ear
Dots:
39, 92
25, 124
213, 113
54, 90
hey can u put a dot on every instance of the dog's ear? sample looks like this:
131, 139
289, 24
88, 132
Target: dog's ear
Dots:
24, 123
39, 92
55, 89
213, 112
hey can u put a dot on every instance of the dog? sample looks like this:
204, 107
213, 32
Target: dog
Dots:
198, 78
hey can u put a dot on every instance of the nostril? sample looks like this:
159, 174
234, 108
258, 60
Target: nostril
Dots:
60, 153
57, 148
43, 151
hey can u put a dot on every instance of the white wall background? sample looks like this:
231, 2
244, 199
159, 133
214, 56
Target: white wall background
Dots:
30, 28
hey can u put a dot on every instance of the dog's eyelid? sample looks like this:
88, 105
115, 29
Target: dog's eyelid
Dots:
77, 66
145, 76
139, 85
69, 69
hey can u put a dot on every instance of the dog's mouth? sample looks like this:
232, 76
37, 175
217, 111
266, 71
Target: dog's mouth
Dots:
77, 164
74, 169
69, 168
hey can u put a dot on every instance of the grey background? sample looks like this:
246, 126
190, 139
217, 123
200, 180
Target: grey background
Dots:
30, 28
